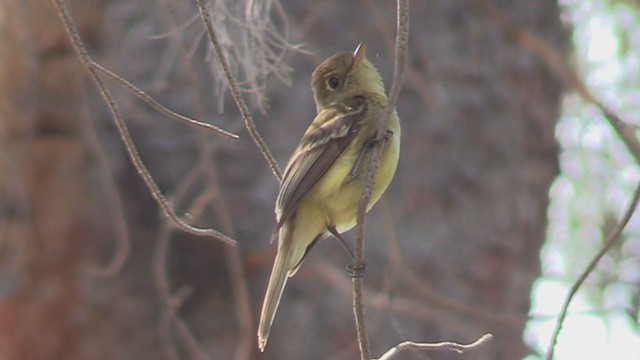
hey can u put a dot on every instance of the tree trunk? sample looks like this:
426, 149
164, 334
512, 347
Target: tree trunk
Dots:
49, 216
452, 249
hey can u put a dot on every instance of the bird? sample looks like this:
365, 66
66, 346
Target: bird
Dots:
324, 177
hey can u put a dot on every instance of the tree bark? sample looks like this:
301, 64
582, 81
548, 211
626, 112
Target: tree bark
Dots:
49, 218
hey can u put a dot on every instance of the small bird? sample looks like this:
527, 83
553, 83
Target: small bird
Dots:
325, 176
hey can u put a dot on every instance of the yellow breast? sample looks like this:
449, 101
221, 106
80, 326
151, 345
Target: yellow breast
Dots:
338, 197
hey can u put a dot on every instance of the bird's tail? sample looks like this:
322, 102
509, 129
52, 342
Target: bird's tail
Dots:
277, 281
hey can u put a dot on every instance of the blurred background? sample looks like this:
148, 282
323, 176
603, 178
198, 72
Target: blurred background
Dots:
508, 181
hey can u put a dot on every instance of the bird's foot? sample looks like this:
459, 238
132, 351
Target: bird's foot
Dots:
368, 145
356, 270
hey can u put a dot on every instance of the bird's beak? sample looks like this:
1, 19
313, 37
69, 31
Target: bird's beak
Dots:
358, 54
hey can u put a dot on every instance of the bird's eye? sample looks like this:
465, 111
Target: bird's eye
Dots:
333, 83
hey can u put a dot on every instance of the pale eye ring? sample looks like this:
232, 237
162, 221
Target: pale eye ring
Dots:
333, 82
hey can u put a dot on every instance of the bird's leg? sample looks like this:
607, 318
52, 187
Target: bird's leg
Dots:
354, 170
355, 270
368, 144
344, 244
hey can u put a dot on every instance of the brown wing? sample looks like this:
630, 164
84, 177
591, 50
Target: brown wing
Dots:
330, 133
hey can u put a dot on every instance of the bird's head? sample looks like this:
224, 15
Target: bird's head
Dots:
343, 75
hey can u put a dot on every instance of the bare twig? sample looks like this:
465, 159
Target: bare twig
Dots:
358, 310
450, 346
205, 170
156, 105
242, 303
86, 61
112, 198
430, 297
234, 264
167, 343
255, 34
172, 302
235, 92
402, 40
610, 241
416, 78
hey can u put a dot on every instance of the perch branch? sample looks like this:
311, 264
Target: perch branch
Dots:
402, 39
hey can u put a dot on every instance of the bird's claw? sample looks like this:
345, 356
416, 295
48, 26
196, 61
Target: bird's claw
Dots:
356, 269
369, 143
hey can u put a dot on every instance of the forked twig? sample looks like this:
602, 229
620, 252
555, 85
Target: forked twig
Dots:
172, 302
235, 92
447, 345
611, 240
402, 40
86, 61
156, 105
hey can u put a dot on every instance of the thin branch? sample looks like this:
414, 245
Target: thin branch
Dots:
167, 343
625, 131
556, 63
397, 305
241, 298
234, 263
86, 61
171, 302
450, 346
430, 298
235, 92
192, 345
435, 300
611, 240
156, 105
205, 169
358, 311
402, 40
418, 79
113, 197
